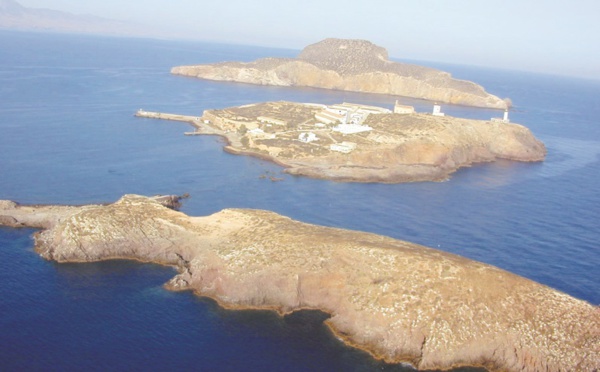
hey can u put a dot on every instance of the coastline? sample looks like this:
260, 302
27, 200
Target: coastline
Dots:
349, 65
401, 148
531, 219
398, 301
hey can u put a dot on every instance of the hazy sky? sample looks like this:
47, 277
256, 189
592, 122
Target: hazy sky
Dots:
551, 36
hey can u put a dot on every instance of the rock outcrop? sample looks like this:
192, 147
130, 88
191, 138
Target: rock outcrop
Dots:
400, 301
353, 65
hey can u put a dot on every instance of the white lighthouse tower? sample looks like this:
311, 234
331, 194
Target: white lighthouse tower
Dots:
437, 110
504, 119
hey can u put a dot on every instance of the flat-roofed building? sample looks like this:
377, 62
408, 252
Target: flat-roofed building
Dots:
403, 109
269, 120
330, 117
343, 147
351, 128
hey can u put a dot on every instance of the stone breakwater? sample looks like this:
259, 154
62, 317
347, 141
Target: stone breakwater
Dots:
399, 301
352, 65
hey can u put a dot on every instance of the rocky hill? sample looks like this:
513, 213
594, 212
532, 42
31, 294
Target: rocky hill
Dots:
399, 301
353, 65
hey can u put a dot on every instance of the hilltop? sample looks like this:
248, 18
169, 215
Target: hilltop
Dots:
353, 65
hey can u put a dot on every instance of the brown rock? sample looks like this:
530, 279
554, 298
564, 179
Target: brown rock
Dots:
353, 65
400, 301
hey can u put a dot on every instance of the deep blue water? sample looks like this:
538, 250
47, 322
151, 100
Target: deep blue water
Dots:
68, 135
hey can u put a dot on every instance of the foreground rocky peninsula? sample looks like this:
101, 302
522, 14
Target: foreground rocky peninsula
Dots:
353, 65
399, 301
360, 143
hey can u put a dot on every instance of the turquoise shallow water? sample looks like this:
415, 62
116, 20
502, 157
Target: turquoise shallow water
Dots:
68, 135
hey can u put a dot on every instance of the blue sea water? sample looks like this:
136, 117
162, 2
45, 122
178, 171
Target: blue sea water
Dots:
68, 135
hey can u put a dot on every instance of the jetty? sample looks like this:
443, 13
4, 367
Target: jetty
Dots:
203, 127
193, 120
165, 116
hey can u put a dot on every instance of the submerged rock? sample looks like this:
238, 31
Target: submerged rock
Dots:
399, 301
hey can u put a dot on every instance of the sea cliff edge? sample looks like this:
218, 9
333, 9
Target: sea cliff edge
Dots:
351, 65
399, 301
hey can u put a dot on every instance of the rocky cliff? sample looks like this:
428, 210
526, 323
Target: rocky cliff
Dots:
418, 147
397, 300
353, 65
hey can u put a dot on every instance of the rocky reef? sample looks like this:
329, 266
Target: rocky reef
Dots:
352, 65
399, 301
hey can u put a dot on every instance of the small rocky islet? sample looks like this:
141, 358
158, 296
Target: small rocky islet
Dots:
351, 65
351, 142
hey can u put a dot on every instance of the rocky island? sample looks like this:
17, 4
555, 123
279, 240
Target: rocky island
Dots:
352, 65
360, 143
399, 301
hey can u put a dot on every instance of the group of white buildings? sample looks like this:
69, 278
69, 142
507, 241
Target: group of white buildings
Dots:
349, 118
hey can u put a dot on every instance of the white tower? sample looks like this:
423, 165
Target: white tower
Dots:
505, 119
437, 110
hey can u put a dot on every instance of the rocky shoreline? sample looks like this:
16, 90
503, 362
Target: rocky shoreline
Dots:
399, 301
397, 148
352, 65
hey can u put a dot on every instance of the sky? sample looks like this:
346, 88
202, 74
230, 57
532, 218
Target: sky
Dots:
547, 36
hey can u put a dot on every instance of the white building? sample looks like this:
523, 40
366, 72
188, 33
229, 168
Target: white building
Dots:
403, 109
307, 137
505, 119
357, 118
345, 113
351, 128
330, 117
437, 110
259, 133
343, 147
364, 109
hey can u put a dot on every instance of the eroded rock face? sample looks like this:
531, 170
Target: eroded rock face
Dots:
397, 300
353, 65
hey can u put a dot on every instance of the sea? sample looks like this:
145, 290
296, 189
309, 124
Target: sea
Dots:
68, 135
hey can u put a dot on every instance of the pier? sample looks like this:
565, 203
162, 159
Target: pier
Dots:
202, 127
164, 116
